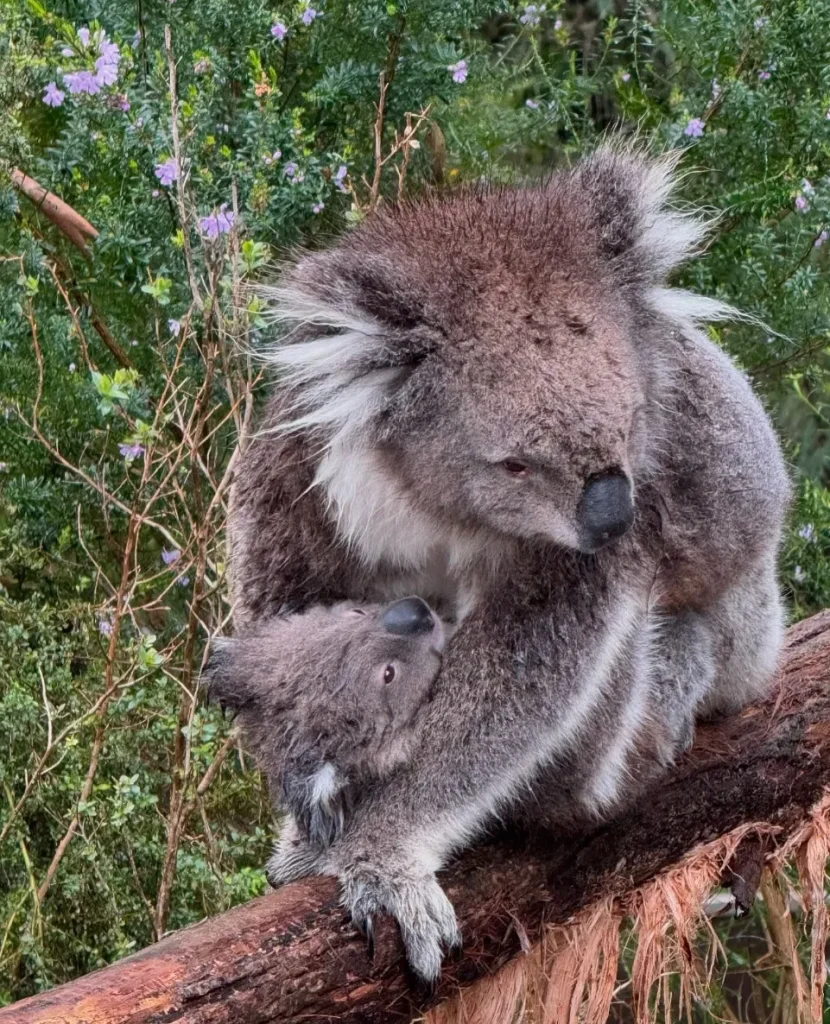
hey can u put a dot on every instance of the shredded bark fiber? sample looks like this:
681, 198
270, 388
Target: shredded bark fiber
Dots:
571, 975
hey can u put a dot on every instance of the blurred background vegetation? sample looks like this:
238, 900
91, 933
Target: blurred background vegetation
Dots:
195, 144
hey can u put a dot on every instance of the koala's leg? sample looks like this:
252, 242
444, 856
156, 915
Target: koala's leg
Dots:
518, 681
682, 669
747, 625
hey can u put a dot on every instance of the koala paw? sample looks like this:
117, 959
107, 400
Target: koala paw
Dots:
417, 902
293, 857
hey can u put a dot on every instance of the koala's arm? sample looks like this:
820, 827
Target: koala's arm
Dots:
283, 551
517, 682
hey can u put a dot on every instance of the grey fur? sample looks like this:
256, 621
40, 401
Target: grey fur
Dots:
430, 345
311, 695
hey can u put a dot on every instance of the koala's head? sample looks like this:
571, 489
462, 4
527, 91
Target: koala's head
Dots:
486, 355
342, 685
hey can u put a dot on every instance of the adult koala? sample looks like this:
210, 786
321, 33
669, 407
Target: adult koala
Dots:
493, 401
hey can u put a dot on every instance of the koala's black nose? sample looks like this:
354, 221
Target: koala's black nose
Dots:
606, 509
409, 616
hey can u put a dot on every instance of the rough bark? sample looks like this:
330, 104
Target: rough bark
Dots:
292, 956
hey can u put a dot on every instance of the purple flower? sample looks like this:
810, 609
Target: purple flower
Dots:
801, 204
764, 76
695, 128
167, 172
219, 223
459, 71
52, 95
318, 207
339, 176
67, 51
105, 74
105, 625
131, 451
108, 51
82, 82
174, 327
625, 76
290, 169
309, 14
532, 104
136, 40
807, 532
169, 557
761, 22
557, 25
183, 581
83, 35
532, 15
807, 187
821, 239
155, 193
279, 31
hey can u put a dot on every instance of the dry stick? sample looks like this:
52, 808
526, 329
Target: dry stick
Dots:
127, 570
40, 767
179, 808
75, 227
180, 175
70, 222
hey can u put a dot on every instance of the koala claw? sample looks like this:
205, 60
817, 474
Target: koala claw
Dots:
675, 744
424, 914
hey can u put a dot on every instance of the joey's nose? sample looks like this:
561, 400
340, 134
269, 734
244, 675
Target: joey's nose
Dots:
409, 616
606, 509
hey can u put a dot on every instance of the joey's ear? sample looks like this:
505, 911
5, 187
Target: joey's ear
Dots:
225, 683
629, 195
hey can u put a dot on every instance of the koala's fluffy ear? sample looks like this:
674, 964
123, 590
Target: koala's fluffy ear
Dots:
224, 683
628, 195
352, 332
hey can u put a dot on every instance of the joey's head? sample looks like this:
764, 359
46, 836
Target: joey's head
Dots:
343, 684
487, 360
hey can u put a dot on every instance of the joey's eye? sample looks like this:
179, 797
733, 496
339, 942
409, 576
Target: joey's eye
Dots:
515, 468
389, 673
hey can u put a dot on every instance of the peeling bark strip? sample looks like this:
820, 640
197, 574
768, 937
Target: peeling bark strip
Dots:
292, 956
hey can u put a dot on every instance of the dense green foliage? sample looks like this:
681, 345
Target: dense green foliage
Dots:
126, 374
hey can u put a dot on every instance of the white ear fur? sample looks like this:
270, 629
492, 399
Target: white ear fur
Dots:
335, 385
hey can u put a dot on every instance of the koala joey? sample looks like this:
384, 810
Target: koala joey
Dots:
330, 700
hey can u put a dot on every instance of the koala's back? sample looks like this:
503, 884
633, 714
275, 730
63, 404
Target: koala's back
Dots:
723, 488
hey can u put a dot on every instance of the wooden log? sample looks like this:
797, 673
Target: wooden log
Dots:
292, 955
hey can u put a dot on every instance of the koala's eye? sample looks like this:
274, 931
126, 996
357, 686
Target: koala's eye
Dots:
357, 611
389, 673
515, 468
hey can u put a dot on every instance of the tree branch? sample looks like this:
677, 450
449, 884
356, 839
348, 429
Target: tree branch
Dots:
292, 955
